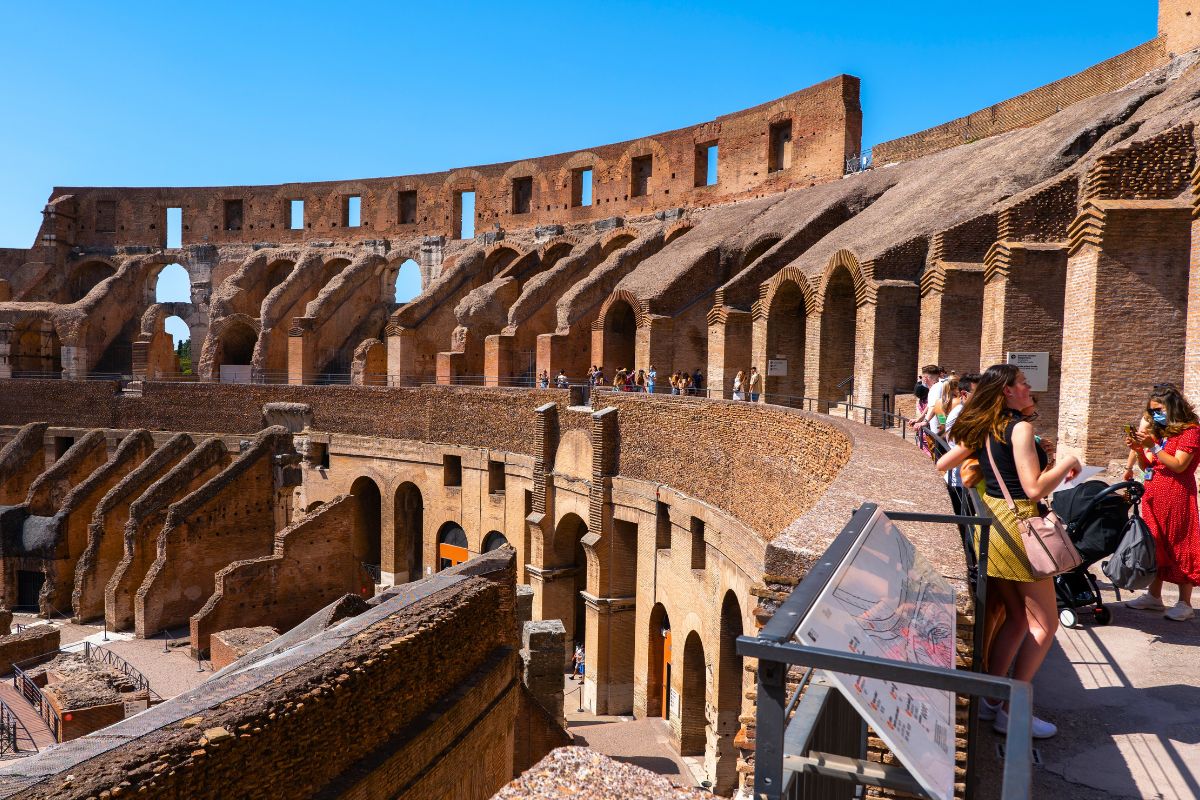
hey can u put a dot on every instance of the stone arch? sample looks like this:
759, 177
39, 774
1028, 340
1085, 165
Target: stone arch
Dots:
277, 272
675, 231
845, 259
624, 165
614, 241
333, 267
496, 259
35, 350
786, 301
760, 245
568, 604
368, 520
227, 341
452, 545
493, 541
408, 528
390, 274
658, 663
170, 272
693, 698
841, 293
86, 276
730, 688
620, 317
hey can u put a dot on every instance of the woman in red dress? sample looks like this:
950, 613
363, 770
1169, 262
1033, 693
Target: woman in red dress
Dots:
1169, 505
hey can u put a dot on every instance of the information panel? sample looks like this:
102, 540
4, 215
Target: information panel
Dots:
1036, 367
776, 367
887, 601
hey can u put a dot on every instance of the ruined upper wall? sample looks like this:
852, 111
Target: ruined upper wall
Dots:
1029, 108
825, 125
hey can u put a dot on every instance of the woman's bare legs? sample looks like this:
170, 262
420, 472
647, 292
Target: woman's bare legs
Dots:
1013, 630
1185, 593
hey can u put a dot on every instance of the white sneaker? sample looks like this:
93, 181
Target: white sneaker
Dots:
1145, 602
1180, 611
1041, 728
987, 710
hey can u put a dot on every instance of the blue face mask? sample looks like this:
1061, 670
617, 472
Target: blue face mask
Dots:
1159, 417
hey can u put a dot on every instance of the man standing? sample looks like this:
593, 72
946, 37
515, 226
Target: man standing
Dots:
933, 377
755, 384
698, 383
651, 379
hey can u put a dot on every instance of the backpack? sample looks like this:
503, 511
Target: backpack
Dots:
1133, 564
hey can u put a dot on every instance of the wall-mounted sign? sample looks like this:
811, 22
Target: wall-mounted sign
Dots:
1036, 367
674, 704
777, 367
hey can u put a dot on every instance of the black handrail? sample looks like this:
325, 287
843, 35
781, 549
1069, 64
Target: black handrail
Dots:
37, 698
105, 656
14, 736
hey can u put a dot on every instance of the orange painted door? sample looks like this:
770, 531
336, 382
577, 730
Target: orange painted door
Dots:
666, 673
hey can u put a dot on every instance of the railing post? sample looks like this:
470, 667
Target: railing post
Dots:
772, 701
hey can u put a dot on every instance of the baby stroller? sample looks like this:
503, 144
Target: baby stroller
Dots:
1096, 516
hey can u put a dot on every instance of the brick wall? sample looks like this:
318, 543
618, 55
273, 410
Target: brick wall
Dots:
21, 461
312, 565
1026, 109
29, 643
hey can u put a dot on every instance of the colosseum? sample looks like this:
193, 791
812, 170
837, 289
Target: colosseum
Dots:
369, 516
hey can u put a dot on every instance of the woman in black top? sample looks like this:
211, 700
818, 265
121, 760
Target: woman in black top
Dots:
992, 420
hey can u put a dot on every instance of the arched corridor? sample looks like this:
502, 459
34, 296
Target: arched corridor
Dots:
730, 676
408, 518
367, 519
452, 546
838, 330
692, 736
786, 318
494, 541
658, 663
86, 277
620, 337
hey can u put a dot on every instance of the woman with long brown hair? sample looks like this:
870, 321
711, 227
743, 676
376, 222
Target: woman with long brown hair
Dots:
992, 420
1169, 507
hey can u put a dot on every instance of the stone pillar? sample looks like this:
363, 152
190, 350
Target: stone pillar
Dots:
655, 345
951, 316
889, 323
730, 348
541, 575
301, 358
497, 359
1023, 290
401, 356
1127, 286
542, 645
430, 259
74, 358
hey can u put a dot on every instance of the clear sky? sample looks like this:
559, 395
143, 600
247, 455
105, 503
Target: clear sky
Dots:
209, 93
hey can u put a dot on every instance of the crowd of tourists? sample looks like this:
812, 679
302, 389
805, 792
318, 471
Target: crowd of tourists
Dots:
746, 385
988, 422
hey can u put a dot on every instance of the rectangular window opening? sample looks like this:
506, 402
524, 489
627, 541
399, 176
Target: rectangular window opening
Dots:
352, 212
174, 227
408, 208
697, 543
452, 470
779, 155
641, 171
662, 527
522, 195
106, 216
706, 164
61, 445
495, 477
233, 215
296, 214
581, 187
464, 215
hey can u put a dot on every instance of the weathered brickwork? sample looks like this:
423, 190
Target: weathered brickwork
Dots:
32, 642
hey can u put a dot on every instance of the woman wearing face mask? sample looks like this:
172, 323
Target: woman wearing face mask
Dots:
993, 421
1169, 505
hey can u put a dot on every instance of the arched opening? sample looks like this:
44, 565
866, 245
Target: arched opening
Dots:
620, 337
452, 546
658, 676
36, 352
173, 285
614, 244
332, 269
497, 262
407, 282
729, 693
85, 278
235, 349
755, 252
368, 515
277, 272
838, 323
675, 233
692, 737
181, 343
784, 372
408, 518
568, 549
494, 541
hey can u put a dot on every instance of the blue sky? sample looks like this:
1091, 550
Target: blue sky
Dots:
160, 94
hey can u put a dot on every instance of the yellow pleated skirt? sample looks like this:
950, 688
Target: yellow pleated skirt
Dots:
1006, 551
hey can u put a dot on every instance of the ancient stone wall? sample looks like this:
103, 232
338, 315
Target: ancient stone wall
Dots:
21, 461
312, 565
36, 640
1026, 109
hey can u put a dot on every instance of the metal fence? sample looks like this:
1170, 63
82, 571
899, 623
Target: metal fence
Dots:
29, 689
812, 744
108, 657
14, 736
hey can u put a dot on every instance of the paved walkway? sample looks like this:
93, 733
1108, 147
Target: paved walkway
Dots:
38, 730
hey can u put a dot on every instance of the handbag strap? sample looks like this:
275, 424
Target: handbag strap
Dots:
999, 478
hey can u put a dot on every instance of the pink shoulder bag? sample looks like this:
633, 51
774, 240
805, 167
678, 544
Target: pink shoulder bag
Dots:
1047, 545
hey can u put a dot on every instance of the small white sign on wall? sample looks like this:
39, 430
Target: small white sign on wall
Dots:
235, 373
777, 367
673, 703
1036, 367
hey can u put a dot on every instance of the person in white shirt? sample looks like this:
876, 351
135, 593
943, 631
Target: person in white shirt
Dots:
932, 376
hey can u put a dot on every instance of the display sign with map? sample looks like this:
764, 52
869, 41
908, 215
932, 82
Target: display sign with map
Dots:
885, 600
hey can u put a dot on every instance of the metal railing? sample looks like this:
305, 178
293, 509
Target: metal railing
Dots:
33, 693
816, 721
375, 571
860, 163
14, 736
108, 657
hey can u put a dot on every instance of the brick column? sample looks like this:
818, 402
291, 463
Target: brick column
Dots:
1127, 287
888, 320
1024, 285
730, 348
552, 587
497, 359
301, 358
6, 337
951, 316
655, 345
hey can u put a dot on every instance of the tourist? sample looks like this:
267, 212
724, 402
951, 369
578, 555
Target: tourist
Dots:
992, 421
1138, 457
697, 383
931, 378
651, 379
562, 381
630, 385
577, 666
618, 381
1169, 504
737, 386
755, 384
966, 387
945, 403
921, 392
544, 380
